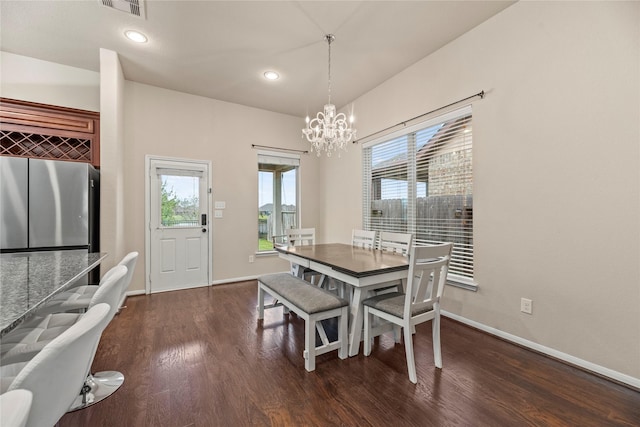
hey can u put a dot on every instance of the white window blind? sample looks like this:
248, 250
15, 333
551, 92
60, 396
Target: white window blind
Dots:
421, 182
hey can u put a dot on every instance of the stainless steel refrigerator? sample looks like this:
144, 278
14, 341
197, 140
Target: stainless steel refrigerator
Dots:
48, 205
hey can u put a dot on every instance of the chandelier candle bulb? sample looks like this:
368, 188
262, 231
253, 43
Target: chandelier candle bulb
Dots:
329, 131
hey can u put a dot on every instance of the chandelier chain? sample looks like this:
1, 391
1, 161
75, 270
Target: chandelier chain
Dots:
329, 38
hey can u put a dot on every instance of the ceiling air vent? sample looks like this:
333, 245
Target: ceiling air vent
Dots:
132, 7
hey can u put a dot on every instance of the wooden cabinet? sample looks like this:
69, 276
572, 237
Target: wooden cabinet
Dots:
43, 131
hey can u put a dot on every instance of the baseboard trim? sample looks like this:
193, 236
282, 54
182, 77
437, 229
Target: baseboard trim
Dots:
572, 360
235, 279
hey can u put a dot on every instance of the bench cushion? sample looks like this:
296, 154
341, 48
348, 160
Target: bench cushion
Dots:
303, 295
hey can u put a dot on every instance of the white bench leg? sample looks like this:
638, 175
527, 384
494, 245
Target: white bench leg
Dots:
343, 333
310, 344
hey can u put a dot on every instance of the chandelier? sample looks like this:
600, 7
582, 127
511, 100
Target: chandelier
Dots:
329, 131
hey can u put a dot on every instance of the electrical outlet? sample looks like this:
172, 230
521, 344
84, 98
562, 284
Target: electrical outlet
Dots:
251, 258
526, 305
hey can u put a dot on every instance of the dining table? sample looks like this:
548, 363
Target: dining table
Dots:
362, 269
29, 279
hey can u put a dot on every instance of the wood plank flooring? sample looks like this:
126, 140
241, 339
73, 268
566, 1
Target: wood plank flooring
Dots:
199, 357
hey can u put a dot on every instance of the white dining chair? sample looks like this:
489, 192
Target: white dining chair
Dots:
303, 237
364, 238
428, 270
396, 243
57, 373
14, 408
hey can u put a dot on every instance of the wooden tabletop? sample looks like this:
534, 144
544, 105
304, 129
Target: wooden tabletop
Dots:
358, 262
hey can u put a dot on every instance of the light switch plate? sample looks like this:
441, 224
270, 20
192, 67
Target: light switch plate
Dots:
220, 205
217, 214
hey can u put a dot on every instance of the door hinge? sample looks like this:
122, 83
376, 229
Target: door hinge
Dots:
210, 191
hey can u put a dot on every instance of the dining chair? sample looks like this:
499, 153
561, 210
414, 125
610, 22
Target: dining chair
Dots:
396, 243
14, 408
428, 270
78, 298
57, 373
364, 238
303, 237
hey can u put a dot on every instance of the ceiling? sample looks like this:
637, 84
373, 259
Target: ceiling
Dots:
220, 49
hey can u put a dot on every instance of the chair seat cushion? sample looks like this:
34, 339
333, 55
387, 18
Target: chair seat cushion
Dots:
393, 303
29, 338
307, 297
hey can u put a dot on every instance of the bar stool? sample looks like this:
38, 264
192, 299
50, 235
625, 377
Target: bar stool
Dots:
79, 297
14, 408
27, 340
55, 374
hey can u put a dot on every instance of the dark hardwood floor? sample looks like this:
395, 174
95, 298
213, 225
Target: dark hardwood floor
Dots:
200, 358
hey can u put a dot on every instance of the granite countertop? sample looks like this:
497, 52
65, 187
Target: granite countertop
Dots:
29, 279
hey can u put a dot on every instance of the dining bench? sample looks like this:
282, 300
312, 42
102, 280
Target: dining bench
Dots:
311, 303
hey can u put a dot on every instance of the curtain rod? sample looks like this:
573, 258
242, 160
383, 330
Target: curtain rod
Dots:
404, 123
288, 150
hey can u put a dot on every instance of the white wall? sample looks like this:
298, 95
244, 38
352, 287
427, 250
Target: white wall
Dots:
30, 79
556, 170
166, 123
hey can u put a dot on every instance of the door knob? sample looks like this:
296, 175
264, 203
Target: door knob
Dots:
204, 230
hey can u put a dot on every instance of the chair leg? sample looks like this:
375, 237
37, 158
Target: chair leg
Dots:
408, 348
397, 333
260, 302
367, 331
435, 329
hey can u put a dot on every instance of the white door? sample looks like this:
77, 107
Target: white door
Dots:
178, 225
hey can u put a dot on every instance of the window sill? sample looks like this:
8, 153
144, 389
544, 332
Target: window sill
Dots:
462, 282
266, 253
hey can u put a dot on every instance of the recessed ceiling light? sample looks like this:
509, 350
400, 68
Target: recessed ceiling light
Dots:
271, 75
135, 36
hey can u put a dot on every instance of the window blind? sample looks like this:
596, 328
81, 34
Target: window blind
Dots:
421, 182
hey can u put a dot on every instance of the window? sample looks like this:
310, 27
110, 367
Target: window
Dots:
180, 197
420, 181
277, 197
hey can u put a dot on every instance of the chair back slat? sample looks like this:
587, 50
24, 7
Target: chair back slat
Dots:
395, 242
301, 236
363, 238
428, 270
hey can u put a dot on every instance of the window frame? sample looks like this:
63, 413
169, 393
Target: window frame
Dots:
276, 159
409, 171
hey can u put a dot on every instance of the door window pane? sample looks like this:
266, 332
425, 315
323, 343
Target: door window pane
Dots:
180, 201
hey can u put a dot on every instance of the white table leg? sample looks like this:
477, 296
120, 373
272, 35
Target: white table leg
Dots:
357, 320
